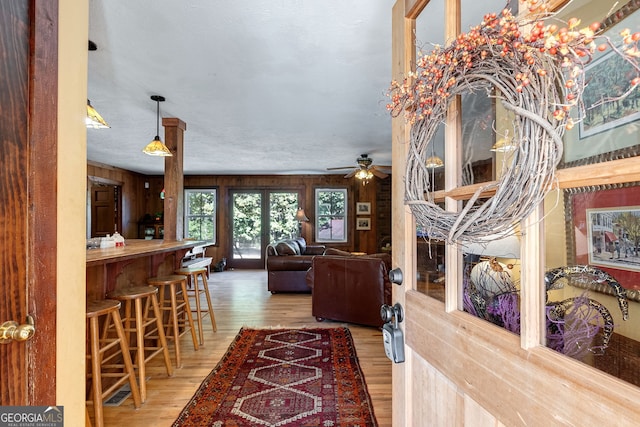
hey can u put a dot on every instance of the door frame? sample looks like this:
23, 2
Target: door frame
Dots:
265, 231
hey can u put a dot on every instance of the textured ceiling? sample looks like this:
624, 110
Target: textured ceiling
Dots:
265, 87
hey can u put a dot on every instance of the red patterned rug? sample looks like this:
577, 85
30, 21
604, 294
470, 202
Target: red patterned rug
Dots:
284, 377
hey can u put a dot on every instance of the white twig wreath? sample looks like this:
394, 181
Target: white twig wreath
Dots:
537, 75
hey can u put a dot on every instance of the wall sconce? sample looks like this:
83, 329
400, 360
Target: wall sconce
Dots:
157, 147
301, 217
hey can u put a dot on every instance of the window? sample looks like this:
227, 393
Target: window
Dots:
200, 214
331, 215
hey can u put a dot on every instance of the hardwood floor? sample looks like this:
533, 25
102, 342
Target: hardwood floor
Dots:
240, 298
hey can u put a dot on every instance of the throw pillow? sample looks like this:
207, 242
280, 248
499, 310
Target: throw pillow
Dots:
285, 248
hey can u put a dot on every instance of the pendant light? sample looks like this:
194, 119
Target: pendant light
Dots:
157, 147
94, 120
434, 162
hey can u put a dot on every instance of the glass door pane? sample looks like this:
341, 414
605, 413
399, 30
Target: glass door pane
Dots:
246, 213
282, 216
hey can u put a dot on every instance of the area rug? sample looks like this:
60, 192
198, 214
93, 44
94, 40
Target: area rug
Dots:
284, 377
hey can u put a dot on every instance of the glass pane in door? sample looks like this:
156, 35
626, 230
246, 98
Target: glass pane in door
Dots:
282, 216
247, 225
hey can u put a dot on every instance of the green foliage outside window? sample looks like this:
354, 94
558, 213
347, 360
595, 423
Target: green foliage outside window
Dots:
331, 215
200, 214
282, 213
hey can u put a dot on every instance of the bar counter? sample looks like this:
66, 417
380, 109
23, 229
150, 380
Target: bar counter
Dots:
113, 268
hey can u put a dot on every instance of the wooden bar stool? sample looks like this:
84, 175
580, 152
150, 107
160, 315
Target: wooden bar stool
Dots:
194, 289
177, 305
146, 322
104, 353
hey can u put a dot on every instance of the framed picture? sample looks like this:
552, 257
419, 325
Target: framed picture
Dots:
363, 223
363, 208
603, 230
607, 130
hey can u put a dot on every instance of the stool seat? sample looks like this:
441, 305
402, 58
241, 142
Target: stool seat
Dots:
104, 351
147, 325
195, 276
191, 270
170, 279
174, 299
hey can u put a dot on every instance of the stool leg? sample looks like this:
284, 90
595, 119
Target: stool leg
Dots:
127, 358
183, 285
161, 336
196, 293
174, 322
206, 293
142, 370
96, 375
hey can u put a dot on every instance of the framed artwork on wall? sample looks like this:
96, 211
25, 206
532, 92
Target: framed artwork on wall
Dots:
363, 223
607, 130
363, 208
603, 230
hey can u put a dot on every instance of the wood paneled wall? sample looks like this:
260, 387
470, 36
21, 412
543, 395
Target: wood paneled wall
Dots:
137, 201
359, 240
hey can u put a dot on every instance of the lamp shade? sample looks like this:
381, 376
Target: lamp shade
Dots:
434, 162
300, 216
94, 120
156, 148
504, 145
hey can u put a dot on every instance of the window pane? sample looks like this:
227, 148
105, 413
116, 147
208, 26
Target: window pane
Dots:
593, 278
331, 215
282, 215
200, 214
247, 225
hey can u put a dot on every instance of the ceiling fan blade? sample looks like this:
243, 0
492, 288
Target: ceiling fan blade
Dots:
350, 174
379, 174
381, 167
343, 167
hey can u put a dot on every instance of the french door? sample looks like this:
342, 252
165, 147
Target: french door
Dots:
259, 217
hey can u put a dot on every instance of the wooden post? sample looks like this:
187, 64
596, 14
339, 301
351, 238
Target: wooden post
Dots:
174, 179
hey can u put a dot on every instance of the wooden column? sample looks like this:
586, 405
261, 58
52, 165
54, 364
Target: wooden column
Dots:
174, 179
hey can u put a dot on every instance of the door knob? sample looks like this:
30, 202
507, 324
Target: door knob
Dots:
13, 331
395, 276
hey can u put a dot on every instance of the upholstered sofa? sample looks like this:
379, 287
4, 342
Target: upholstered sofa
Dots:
287, 262
350, 288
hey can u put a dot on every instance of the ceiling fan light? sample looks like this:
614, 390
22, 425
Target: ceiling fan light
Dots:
434, 162
157, 148
364, 174
94, 120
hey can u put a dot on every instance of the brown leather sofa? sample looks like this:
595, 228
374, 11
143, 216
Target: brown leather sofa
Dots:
287, 262
350, 288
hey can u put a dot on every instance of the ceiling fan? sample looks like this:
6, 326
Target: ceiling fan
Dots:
365, 170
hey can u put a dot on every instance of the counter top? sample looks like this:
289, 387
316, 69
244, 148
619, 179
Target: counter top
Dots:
134, 248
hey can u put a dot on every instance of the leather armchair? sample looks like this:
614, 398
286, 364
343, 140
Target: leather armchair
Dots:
350, 288
287, 262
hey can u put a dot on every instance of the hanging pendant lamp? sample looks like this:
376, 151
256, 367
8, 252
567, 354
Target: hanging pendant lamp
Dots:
157, 147
94, 120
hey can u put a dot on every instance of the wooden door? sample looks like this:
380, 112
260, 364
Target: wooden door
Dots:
461, 370
103, 210
28, 146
